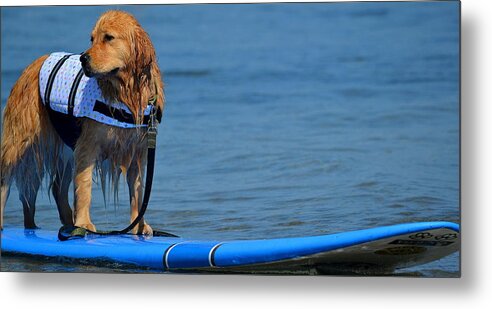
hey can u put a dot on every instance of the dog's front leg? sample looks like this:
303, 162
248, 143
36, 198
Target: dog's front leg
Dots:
134, 180
85, 159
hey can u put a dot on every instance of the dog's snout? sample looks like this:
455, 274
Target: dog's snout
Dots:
84, 58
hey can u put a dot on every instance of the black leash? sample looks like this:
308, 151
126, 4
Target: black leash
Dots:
67, 232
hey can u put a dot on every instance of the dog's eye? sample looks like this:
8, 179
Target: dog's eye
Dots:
92, 39
108, 37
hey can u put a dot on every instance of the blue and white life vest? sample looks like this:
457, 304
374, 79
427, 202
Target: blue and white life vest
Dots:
66, 91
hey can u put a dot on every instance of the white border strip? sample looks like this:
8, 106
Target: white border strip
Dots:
210, 254
168, 250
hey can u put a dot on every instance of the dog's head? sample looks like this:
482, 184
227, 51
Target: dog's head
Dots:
123, 60
119, 45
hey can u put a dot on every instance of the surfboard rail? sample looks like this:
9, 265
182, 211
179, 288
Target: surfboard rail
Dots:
382, 249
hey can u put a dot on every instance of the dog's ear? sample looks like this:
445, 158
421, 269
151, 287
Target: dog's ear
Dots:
143, 50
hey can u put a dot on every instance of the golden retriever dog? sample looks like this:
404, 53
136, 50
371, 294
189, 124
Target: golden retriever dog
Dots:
122, 59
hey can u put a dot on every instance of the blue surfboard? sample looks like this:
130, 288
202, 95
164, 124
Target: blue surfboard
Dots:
373, 251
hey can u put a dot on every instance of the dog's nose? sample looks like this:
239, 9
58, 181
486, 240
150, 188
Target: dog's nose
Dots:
84, 58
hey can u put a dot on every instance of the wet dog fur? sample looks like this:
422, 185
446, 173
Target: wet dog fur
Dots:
123, 60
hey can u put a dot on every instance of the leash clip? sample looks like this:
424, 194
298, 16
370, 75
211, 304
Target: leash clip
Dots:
152, 129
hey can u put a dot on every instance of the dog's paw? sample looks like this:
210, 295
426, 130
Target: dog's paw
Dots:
144, 229
88, 226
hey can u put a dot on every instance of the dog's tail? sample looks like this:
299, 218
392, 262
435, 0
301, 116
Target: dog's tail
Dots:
30, 146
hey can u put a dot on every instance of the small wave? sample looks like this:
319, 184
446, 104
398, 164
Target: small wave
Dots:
187, 73
357, 93
345, 149
292, 223
441, 58
267, 188
396, 206
305, 201
366, 184
219, 199
419, 80
370, 13
240, 227
188, 213
407, 213
422, 200
352, 59
400, 117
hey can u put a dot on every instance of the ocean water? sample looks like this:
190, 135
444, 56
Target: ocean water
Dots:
281, 119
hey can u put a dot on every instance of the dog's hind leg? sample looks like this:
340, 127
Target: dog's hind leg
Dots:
61, 185
25, 128
5, 182
28, 178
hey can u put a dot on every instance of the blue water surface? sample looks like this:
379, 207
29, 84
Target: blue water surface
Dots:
281, 119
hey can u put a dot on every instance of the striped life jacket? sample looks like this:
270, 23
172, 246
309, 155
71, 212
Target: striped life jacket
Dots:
69, 94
